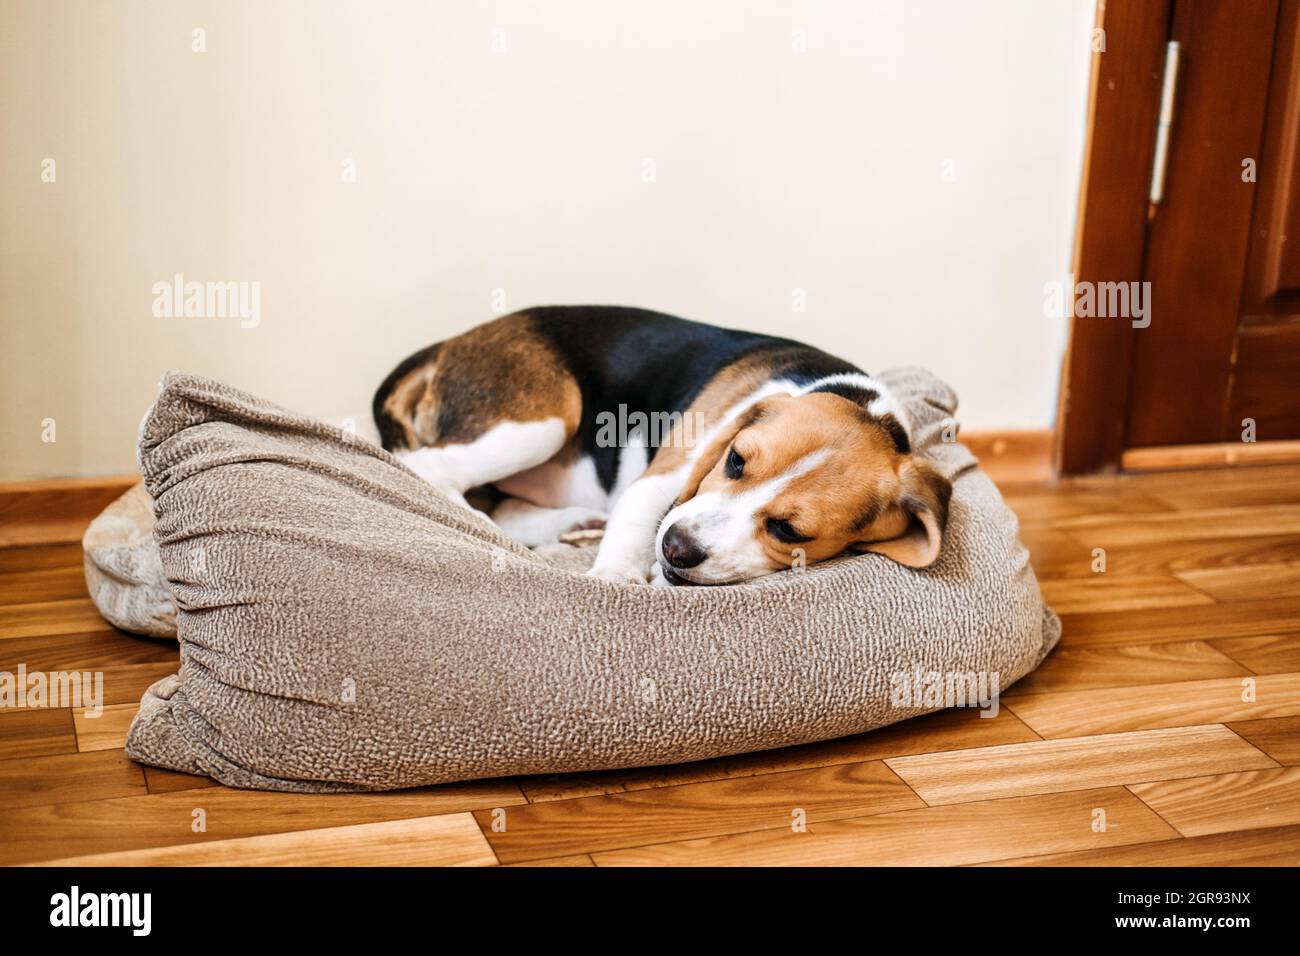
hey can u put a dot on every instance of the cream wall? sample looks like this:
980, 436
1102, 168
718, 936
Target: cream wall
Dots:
502, 150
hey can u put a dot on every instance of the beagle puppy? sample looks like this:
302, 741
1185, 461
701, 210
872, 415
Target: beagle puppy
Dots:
709, 455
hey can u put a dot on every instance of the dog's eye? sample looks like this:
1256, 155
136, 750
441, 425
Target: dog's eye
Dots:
735, 466
783, 530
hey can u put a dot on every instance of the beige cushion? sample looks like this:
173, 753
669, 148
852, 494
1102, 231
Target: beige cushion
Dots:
344, 627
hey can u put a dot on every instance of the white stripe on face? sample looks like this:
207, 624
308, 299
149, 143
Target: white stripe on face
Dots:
725, 527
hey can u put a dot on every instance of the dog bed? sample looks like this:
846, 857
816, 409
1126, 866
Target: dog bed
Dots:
345, 627
124, 574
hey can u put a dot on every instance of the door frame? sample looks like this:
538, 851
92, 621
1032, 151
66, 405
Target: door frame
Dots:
1111, 228
1112, 232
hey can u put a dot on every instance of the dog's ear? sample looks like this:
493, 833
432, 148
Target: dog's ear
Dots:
716, 448
406, 408
916, 522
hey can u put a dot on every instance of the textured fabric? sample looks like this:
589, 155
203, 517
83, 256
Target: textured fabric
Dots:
345, 627
124, 574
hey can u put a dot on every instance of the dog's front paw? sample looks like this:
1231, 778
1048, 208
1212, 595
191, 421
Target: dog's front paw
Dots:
619, 574
657, 579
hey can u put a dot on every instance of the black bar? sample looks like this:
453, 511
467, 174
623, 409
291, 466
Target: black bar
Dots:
299, 906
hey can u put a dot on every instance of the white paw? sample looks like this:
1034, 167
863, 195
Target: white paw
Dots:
619, 574
657, 579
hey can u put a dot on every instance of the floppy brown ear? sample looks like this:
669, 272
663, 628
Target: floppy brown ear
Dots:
921, 513
714, 450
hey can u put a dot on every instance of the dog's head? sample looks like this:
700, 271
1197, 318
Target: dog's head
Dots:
794, 480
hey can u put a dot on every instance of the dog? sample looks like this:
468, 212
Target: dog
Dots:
771, 455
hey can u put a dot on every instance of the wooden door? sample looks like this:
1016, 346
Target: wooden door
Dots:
1223, 249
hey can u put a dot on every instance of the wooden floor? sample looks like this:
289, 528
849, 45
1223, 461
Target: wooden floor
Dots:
1165, 729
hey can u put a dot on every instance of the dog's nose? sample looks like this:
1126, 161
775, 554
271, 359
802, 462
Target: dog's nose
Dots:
681, 550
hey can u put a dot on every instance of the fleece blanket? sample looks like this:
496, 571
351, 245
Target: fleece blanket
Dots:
343, 626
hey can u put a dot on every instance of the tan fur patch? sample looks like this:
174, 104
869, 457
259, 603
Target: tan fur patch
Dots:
500, 371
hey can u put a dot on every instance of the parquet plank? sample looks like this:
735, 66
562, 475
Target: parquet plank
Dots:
1107, 592
1111, 530
1054, 506
1279, 737
570, 786
778, 847
567, 827
107, 731
1261, 582
167, 781
64, 778
48, 584
1279, 846
1265, 654
36, 833
1250, 800
54, 530
41, 557
1054, 554
1195, 497
1212, 622
1151, 706
1067, 558
36, 732
1231, 480
932, 836
127, 684
582, 859
72, 616
448, 840
952, 729
1076, 763
1121, 665
102, 650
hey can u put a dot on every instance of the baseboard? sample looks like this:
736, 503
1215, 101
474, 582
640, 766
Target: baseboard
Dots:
1217, 454
1012, 457
55, 512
